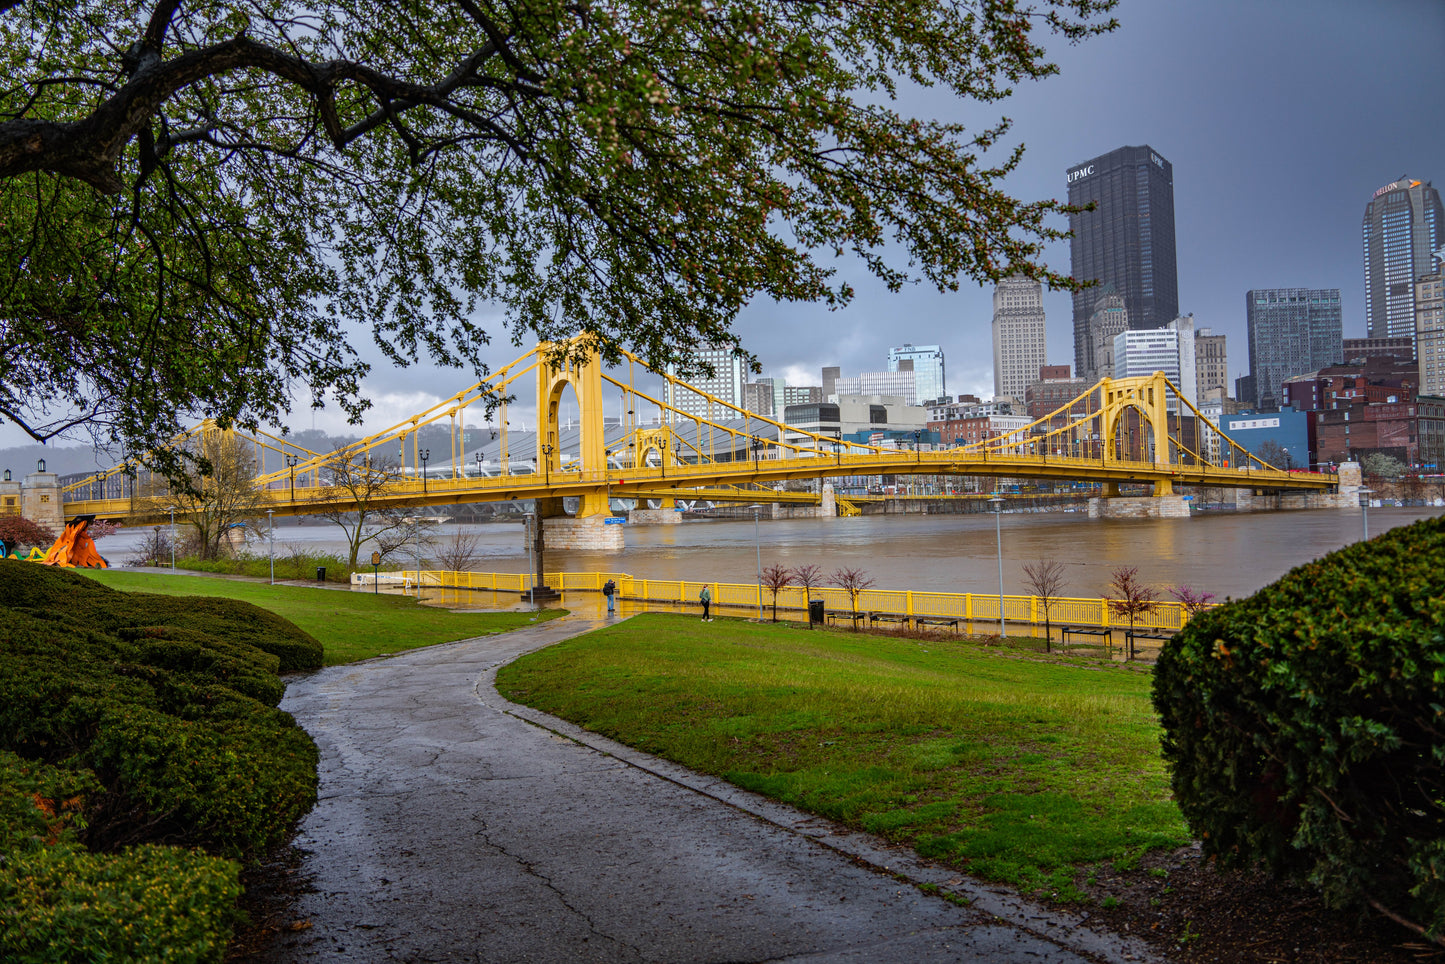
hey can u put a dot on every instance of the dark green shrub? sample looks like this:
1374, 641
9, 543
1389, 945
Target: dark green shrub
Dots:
1305, 727
59, 902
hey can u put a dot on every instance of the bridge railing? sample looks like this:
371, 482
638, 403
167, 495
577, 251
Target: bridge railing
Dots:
1168, 616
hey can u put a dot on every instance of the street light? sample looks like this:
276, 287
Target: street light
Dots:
1365, 504
662, 455
479, 464
424, 454
173, 538
547, 450
917, 455
291, 461
757, 544
997, 503
271, 535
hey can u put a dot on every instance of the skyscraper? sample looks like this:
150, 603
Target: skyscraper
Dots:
1404, 224
1108, 319
1291, 331
927, 367
1018, 335
1211, 361
1126, 242
727, 381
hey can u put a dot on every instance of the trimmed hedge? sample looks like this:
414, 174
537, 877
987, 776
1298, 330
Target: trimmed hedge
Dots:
126, 721
1305, 727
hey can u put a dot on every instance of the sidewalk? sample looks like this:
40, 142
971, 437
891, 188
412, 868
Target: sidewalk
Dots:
454, 825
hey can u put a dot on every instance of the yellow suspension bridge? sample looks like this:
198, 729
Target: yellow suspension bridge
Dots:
1128, 430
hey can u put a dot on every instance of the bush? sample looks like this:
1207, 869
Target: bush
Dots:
129, 720
1303, 725
60, 902
16, 532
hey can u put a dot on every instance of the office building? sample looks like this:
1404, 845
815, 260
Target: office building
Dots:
726, 383
900, 383
1430, 329
1358, 349
1211, 362
1291, 331
926, 363
1018, 335
1109, 318
830, 380
758, 397
1142, 353
1404, 225
1188, 380
1126, 243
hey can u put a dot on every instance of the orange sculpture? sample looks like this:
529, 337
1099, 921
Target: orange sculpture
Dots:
75, 547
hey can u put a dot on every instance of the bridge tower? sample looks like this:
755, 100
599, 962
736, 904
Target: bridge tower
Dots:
1147, 395
576, 363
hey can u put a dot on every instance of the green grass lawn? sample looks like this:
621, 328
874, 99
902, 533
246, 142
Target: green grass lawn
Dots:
1021, 769
350, 625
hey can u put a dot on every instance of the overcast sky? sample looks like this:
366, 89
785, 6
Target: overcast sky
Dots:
1280, 119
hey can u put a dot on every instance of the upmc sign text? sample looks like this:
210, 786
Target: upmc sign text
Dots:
1080, 173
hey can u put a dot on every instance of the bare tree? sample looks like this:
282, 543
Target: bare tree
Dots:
775, 579
1045, 578
853, 582
414, 537
1130, 597
218, 493
154, 550
353, 498
458, 552
809, 577
1194, 601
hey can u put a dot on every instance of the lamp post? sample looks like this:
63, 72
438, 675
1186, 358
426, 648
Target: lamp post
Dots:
271, 537
547, 450
291, 461
173, 538
917, 453
1365, 505
662, 455
997, 503
424, 455
479, 464
757, 544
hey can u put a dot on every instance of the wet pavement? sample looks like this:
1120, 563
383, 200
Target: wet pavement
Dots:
454, 825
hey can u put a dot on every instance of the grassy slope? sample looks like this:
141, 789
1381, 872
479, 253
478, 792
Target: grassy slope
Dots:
1017, 769
350, 625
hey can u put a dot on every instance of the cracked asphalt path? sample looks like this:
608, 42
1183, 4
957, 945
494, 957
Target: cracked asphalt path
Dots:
453, 825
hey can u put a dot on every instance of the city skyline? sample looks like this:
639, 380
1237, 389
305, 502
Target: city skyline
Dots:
1278, 135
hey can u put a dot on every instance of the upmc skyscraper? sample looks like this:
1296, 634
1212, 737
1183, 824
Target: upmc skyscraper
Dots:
1126, 244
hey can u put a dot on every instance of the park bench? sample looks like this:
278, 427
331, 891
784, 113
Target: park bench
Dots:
921, 621
1106, 633
836, 614
1129, 638
877, 617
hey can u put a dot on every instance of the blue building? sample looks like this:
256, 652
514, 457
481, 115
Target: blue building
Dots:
1286, 428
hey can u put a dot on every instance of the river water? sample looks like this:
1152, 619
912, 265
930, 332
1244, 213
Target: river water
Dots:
1230, 555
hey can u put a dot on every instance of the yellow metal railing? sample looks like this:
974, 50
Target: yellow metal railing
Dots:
1167, 616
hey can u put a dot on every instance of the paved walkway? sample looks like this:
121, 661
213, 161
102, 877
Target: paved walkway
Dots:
456, 826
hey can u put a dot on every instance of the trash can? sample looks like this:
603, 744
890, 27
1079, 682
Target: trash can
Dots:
320, 573
815, 610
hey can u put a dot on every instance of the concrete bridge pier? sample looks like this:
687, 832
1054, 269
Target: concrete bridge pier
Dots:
665, 514
587, 530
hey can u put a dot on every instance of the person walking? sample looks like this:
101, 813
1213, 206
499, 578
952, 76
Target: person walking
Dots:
705, 597
609, 589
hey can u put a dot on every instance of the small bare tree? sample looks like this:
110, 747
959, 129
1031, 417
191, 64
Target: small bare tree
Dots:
810, 578
775, 579
853, 582
458, 552
353, 497
218, 495
1194, 601
1130, 597
413, 537
1045, 578
154, 550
